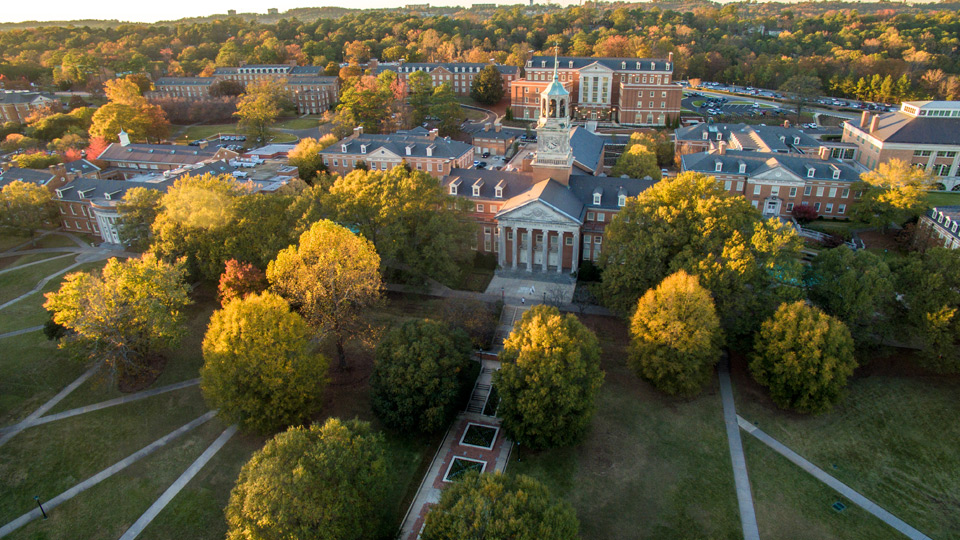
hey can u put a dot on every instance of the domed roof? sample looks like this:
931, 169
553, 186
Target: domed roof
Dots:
555, 89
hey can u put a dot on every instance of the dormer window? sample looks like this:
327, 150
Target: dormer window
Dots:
597, 196
363, 149
570, 64
621, 200
543, 63
743, 168
810, 172
623, 65
705, 135
638, 66
796, 140
717, 166
719, 136
498, 190
409, 149
343, 148
653, 66
476, 188
430, 150
453, 189
836, 173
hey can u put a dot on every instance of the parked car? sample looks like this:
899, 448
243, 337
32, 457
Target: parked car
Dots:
486, 154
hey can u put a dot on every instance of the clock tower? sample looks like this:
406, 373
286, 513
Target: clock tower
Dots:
554, 156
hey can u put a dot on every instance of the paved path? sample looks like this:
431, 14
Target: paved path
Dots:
839, 486
22, 331
41, 261
103, 475
10, 432
30, 422
83, 257
178, 485
748, 516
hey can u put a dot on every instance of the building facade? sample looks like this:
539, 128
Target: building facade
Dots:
493, 140
944, 222
125, 160
628, 91
777, 183
460, 75
785, 139
17, 105
923, 133
421, 150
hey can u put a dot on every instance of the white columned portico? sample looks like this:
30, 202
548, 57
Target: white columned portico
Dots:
545, 247
530, 240
516, 240
575, 257
560, 236
502, 246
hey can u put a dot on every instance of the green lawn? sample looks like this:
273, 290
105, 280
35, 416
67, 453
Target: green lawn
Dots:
20, 281
893, 439
789, 503
55, 240
29, 311
474, 115
651, 466
32, 370
202, 132
15, 259
944, 199
834, 227
306, 122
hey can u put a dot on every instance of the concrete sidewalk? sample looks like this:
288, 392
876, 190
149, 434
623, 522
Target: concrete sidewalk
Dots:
748, 515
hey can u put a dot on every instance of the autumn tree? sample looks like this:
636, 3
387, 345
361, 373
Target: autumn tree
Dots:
306, 156
258, 366
138, 209
690, 223
893, 192
124, 314
675, 335
239, 280
127, 110
549, 378
35, 160
421, 95
226, 88
856, 287
26, 207
324, 482
332, 275
928, 286
420, 372
801, 89
367, 101
659, 143
447, 109
803, 356
637, 162
408, 217
260, 106
499, 506
487, 87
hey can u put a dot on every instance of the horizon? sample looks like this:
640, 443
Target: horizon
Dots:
180, 9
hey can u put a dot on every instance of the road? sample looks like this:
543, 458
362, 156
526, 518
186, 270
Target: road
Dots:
772, 103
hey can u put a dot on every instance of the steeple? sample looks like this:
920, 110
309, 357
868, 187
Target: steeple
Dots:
556, 52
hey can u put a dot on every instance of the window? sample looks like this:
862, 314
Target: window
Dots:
820, 191
789, 207
841, 208
476, 191
946, 154
510, 235
857, 194
587, 239
740, 186
597, 240
844, 194
810, 172
832, 192
793, 193
756, 189
453, 189
480, 208
743, 168
600, 216
922, 153
596, 198
775, 191
334, 163
941, 170
621, 200
590, 216
755, 203
568, 241
816, 206
829, 208
493, 209
717, 166
726, 185
499, 192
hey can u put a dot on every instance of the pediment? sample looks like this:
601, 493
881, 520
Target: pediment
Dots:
777, 174
383, 153
596, 67
537, 211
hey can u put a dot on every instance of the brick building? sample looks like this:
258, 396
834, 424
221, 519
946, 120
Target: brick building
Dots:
924, 133
16, 105
628, 91
423, 151
776, 183
944, 221
785, 139
459, 74
494, 140
125, 159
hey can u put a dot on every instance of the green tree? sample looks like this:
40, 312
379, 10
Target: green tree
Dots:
138, 209
689, 223
226, 88
487, 86
408, 217
306, 156
894, 192
128, 111
367, 101
258, 367
421, 95
498, 506
929, 287
123, 315
322, 482
549, 379
803, 356
660, 143
260, 106
447, 109
36, 160
637, 162
675, 335
421, 368
332, 275
801, 89
855, 287
26, 207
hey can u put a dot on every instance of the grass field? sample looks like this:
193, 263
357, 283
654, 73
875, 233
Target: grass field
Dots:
943, 199
12, 261
203, 131
651, 466
474, 115
834, 227
893, 439
29, 311
19, 281
306, 122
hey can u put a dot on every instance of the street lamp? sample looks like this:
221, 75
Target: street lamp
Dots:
42, 511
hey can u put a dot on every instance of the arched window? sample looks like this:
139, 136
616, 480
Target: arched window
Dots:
563, 108
553, 108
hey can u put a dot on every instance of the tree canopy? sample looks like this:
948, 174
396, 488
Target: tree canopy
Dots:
445, 107
26, 207
128, 111
124, 314
637, 162
238, 280
306, 156
487, 86
260, 106
420, 371
259, 369
138, 210
498, 506
332, 276
893, 192
324, 482
803, 356
549, 378
675, 335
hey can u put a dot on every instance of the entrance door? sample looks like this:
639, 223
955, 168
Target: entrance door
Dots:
522, 250
538, 251
772, 207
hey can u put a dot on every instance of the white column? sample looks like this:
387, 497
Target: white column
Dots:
530, 239
516, 240
575, 261
559, 252
502, 246
546, 249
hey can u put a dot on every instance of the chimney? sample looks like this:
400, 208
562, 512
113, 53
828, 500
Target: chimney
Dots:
824, 153
722, 148
670, 57
433, 134
873, 123
358, 131
786, 123
865, 119
497, 127
486, 127
204, 143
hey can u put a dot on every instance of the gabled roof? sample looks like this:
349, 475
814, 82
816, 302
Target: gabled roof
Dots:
750, 137
900, 127
9, 97
397, 144
756, 163
551, 193
616, 64
104, 192
452, 67
513, 183
584, 186
157, 153
587, 148
945, 218
81, 166
30, 176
